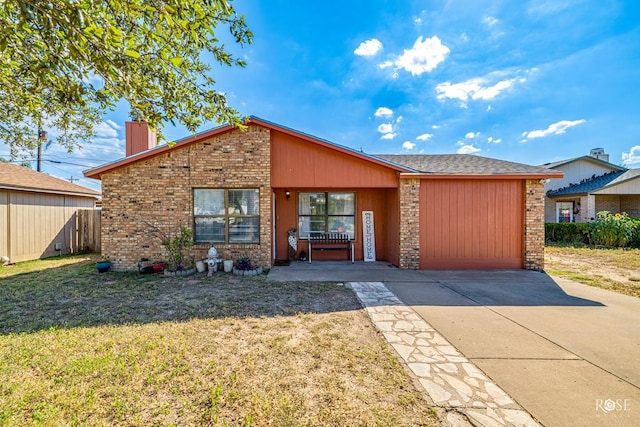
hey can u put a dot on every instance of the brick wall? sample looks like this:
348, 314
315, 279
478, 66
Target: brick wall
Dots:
159, 191
410, 223
631, 205
607, 202
534, 225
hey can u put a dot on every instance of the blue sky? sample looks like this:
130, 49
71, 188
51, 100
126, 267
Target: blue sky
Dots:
527, 81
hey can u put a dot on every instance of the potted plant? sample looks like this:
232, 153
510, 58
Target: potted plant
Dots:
103, 265
176, 245
243, 267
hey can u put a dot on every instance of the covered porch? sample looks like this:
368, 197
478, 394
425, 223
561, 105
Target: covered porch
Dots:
343, 271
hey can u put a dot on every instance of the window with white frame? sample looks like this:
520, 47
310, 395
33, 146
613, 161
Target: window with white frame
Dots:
326, 212
564, 211
226, 215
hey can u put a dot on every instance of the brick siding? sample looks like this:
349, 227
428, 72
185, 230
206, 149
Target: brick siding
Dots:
631, 205
534, 225
608, 203
159, 191
410, 224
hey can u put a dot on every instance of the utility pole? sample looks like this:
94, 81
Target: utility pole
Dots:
42, 136
72, 179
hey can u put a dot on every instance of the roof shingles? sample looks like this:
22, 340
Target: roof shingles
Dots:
14, 177
462, 164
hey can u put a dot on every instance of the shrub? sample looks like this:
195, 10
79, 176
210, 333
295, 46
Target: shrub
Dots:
243, 263
566, 232
612, 230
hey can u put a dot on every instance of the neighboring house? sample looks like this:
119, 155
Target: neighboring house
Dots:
590, 185
38, 213
243, 190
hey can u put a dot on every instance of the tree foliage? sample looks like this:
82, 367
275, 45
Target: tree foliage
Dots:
63, 63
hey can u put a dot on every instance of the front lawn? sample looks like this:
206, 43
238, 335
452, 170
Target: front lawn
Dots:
82, 348
614, 269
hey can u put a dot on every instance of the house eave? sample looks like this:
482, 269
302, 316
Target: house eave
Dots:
48, 191
423, 175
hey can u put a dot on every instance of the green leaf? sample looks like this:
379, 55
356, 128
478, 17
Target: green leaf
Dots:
176, 61
132, 54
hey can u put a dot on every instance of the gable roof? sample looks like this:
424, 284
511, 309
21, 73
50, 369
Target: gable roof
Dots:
466, 165
596, 184
98, 171
460, 165
14, 177
558, 164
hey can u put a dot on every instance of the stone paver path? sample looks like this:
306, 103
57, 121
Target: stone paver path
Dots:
451, 381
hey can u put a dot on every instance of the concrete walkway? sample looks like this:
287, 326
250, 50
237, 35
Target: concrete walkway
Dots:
567, 353
452, 382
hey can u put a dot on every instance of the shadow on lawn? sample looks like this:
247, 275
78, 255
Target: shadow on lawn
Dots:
78, 296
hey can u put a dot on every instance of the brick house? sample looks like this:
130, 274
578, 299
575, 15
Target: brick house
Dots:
591, 184
243, 190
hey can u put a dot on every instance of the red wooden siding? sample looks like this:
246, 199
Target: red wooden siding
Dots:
299, 163
471, 224
376, 200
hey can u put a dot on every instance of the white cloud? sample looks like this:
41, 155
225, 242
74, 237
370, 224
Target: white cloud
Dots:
557, 128
417, 21
385, 64
436, 127
471, 135
368, 48
490, 21
107, 130
424, 56
464, 37
408, 145
473, 89
492, 140
424, 137
385, 128
467, 149
383, 112
489, 108
390, 135
399, 119
632, 157
113, 124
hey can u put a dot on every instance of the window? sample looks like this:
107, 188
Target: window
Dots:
328, 212
226, 215
564, 211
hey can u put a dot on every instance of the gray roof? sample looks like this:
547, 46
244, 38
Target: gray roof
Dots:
462, 164
595, 183
556, 165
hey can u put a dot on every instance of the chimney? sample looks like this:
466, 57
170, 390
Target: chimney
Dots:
599, 154
139, 137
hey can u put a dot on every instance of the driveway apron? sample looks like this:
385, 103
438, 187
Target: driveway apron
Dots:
569, 354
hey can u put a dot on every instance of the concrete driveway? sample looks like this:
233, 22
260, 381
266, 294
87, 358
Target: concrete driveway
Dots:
567, 353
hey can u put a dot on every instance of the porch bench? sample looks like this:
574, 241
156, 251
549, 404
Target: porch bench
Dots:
320, 241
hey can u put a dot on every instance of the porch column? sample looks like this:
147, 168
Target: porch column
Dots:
534, 225
589, 203
409, 223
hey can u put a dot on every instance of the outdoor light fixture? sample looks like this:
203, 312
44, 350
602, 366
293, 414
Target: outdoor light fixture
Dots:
287, 194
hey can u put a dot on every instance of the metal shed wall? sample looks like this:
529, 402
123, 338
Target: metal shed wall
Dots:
32, 224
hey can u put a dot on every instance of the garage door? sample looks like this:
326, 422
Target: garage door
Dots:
471, 224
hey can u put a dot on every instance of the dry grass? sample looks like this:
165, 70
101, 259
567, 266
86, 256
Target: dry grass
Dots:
82, 348
614, 269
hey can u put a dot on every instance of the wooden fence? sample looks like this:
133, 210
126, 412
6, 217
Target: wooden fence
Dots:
89, 230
